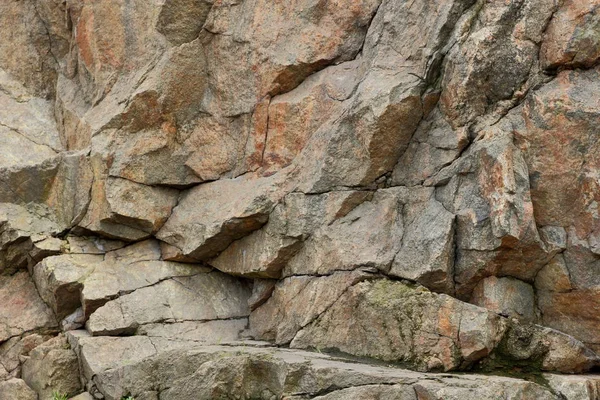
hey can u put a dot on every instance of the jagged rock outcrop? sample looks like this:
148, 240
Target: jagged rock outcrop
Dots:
199, 198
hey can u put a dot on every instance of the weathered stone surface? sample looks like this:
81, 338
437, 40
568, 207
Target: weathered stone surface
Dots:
575, 387
211, 216
418, 328
571, 38
68, 282
92, 245
16, 389
296, 115
433, 146
354, 149
561, 173
250, 372
477, 389
51, 368
197, 331
32, 64
46, 247
38, 172
111, 43
83, 396
264, 50
201, 297
103, 353
266, 252
15, 349
261, 292
543, 348
355, 171
349, 242
22, 311
305, 298
181, 20
427, 254
26, 122
506, 296
126, 210
207, 149
488, 191
554, 276
493, 62
564, 192
397, 323
574, 312
19, 228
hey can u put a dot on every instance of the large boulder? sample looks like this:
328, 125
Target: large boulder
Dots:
53, 367
17, 389
391, 321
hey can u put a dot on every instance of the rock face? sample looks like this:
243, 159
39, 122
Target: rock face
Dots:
52, 367
199, 198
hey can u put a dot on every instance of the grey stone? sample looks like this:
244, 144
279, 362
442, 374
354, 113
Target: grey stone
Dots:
52, 367
214, 296
16, 389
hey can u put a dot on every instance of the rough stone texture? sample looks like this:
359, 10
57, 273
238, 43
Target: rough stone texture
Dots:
22, 309
53, 367
67, 282
19, 228
33, 64
571, 37
564, 193
351, 313
201, 297
407, 182
574, 387
83, 396
14, 350
16, 389
506, 296
252, 372
266, 252
230, 209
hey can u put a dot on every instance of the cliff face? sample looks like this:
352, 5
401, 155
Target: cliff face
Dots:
328, 199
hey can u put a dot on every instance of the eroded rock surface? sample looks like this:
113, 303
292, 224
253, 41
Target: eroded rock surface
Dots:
203, 195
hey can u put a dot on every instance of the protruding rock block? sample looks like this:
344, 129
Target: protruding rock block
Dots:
53, 367
201, 297
16, 389
210, 217
395, 322
70, 281
22, 311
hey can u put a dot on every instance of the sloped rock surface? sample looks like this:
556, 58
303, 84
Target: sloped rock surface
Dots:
254, 372
203, 195
230, 209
